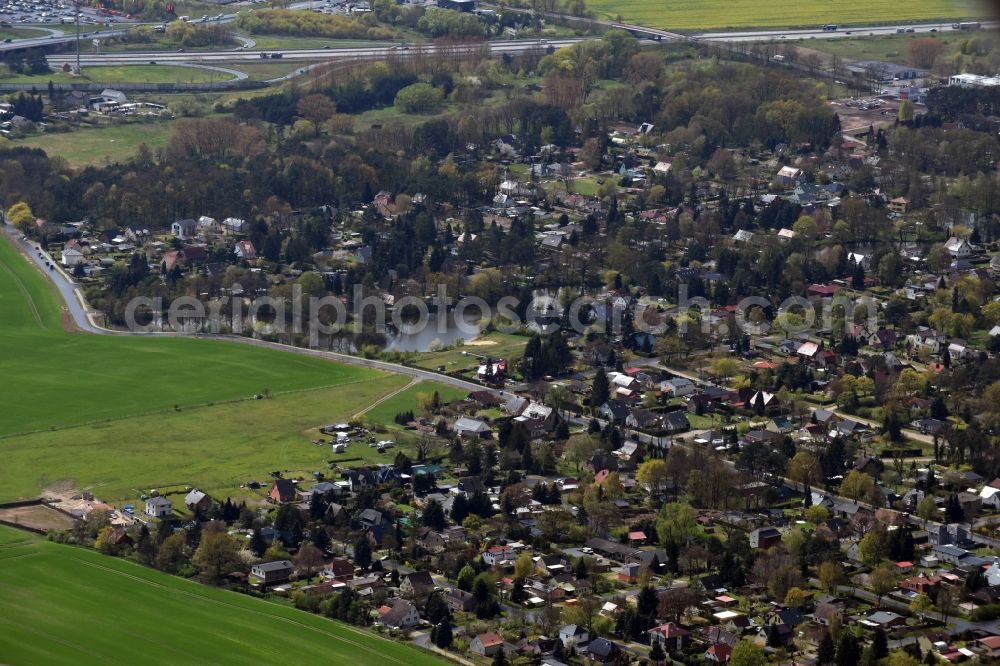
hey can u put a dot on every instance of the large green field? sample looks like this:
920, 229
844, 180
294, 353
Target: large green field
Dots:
124, 73
215, 448
100, 145
65, 378
718, 14
65, 605
138, 413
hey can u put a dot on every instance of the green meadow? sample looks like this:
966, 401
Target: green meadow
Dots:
119, 415
88, 146
56, 379
65, 605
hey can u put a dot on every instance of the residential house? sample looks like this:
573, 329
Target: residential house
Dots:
244, 249
921, 584
788, 176
990, 496
282, 490
899, 205
471, 428
159, 507
196, 500
417, 585
271, 573
764, 537
186, 228
989, 646
643, 419
538, 418
72, 257
371, 518
460, 600
399, 614
719, 653
486, 645
232, 226
499, 556
602, 651
958, 247
764, 401
629, 573
677, 421
471, 485
677, 387
671, 637
572, 635
339, 569
615, 410
885, 619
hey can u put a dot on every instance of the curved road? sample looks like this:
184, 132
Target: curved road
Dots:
72, 296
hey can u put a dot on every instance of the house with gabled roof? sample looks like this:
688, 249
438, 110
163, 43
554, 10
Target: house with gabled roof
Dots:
486, 644
399, 614
671, 637
417, 585
282, 490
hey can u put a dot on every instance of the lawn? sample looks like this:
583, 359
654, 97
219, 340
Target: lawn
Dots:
214, 447
717, 14
65, 605
22, 33
100, 145
66, 379
124, 74
890, 48
495, 345
266, 70
407, 400
268, 42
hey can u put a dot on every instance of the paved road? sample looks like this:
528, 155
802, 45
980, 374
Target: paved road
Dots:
362, 53
72, 297
843, 32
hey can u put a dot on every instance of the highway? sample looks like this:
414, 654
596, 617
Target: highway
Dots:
248, 55
841, 32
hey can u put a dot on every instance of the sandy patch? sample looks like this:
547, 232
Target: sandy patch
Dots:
38, 516
479, 343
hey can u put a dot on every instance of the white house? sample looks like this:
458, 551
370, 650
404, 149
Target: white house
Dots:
234, 225
990, 497
466, 427
72, 257
677, 387
399, 615
499, 555
159, 507
789, 176
184, 228
958, 247
572, 634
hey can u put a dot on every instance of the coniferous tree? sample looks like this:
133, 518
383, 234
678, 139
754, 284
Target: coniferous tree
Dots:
827, 652
880, 644
257, 544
